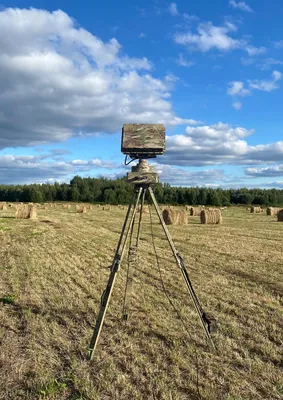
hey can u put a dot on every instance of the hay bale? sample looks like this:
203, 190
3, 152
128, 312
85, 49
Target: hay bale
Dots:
256, 210
195, 211
22, 212
32, 212
273, 210
280, 216
212, 216
26, 212
175, 217
3, 206
81, 209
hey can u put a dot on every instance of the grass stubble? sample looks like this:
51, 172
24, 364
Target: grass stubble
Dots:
53, 271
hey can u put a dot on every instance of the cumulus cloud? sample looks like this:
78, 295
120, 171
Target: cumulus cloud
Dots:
241, 5
182, 177
173, 9
267, 85
236, 88
30, 169
45, 168
275, 170
58, 80
218, 144
210, 37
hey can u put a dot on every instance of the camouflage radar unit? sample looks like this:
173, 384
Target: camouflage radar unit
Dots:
143, 140
140, 142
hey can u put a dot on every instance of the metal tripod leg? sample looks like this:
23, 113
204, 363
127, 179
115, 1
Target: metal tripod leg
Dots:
113, 274
132, 261
181, 265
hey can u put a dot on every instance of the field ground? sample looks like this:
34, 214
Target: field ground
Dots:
54, 269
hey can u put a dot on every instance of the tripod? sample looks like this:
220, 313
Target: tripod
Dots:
143, 179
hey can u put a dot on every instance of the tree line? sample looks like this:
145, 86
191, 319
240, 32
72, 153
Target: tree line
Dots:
118, 191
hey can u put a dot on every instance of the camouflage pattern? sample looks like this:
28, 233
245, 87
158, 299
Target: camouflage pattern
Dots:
139, 139
143, 179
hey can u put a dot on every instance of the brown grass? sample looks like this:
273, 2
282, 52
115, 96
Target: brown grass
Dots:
54, 269
211, 216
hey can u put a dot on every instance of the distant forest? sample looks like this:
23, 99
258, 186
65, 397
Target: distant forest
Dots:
118, 191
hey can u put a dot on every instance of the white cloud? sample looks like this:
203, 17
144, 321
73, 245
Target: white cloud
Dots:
58, 80
275, 170
173, 9
218, 144
255, 51
210, 37
237, 105
267, 63
236, 88
35, 169
184, 177
142, 35
241, 5
267, 85
183, 62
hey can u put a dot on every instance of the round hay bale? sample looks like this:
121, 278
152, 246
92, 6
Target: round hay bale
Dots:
195, 211
256, 210
212, 216
81, 209
32, 212
272, 210
175, 217
26, 212
3, 206
280, 216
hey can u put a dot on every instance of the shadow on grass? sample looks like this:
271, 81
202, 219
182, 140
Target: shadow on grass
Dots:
274, 288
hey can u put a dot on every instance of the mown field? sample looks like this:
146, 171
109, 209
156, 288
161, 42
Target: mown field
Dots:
53, 271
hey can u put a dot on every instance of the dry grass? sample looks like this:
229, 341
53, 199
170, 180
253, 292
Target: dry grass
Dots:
53, 272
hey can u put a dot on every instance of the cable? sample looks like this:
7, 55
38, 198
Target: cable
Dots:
131, 160
173, 305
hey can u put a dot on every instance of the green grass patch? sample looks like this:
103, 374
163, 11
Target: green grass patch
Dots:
8, 299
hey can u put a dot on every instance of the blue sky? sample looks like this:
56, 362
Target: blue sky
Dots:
72, 73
